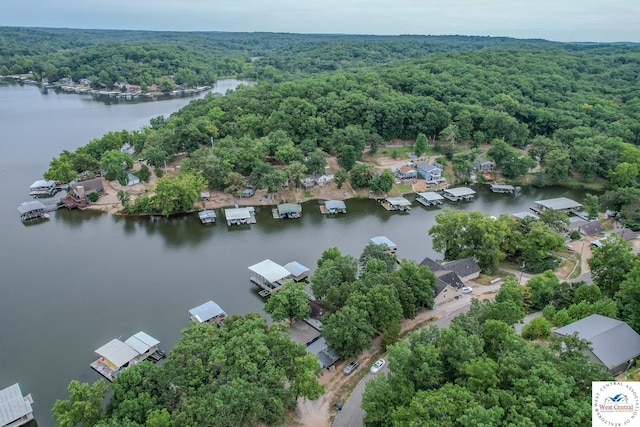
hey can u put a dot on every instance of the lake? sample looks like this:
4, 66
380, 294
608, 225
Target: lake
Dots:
73, 283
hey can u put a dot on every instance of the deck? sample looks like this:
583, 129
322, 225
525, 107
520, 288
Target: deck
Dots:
103, 369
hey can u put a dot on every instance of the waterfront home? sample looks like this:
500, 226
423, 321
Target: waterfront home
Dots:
287, 210
384, 240
297, 270
15, 409
43, 188
612, 342
116, 356
559, 204
323, 180
592, 228
429, 198
406, 172
458, 193
626, 234
77, 197
332, 207
326, 355
207, 216
448, 286
483, 165
396, 204
33, 209
269, 276
240, 216
430, 172
209, 312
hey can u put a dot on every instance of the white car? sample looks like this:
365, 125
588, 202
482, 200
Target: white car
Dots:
467, 290
377, 366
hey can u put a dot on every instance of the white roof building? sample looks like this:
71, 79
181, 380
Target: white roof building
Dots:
270, 272
117, 353
15, 409
205, 312
142, 342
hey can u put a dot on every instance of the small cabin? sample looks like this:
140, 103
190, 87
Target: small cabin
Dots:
384, 240
209, 312
15, 409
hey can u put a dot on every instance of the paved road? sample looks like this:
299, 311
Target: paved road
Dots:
352, 415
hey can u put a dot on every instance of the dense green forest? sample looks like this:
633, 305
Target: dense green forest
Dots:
575, 112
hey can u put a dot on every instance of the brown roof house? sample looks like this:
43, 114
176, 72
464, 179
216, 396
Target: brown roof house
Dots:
612, 342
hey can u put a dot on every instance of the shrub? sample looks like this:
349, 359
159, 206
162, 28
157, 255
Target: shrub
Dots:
574, 235
93, 197
536, 329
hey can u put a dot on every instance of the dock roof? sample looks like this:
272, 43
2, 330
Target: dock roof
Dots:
207, 214
559, 203
296, 268
523, 215
287, 208
42, 183
383, 240
335, 204
206, 311
270, 270
33, 205
502, 187
117, 352
398, 201
431, 196
237, 213
141, 342
13, 405
460, 191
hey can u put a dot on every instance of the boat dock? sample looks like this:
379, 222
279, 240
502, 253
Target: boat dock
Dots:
430, 198
269, 276
458, 194
332, 207
34, 209
209, 312
396, 204
504, 189
287, 210
116, 356
240, 216
207, 216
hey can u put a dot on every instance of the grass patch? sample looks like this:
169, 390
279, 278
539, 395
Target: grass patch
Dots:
308, 195
404, 188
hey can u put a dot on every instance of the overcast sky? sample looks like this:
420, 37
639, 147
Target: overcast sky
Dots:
558, 20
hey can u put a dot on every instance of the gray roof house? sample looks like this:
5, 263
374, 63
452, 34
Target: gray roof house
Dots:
466, 268
484, 165
430, 172
592, 228
449, 282
613, 343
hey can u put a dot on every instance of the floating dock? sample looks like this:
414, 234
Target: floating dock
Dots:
430, 198
332, 207
396, 204
209, 312
32, 210
207, 216
240, 216
458, 194
504, 189
287, 210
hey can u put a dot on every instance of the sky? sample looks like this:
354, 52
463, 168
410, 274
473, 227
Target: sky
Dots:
556, 20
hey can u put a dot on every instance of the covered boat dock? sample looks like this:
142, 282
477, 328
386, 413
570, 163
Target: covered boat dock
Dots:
269, 276
297, 270
396, 204
384, 240
459, 193
33, 209
332, 207
209, 312
287, 210
207, 217
502, 188
430, 198
240, 216
15, 409
559, 204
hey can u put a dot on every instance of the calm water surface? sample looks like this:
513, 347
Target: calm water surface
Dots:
73, 283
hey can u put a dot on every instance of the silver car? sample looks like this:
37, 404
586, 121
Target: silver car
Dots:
350, 367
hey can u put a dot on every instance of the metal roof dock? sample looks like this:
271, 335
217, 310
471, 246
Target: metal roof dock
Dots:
559, 203
429, 198
459, 193
15, 409
207, 312
240, 216
269, 276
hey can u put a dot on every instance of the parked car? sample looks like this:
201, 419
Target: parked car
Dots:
350, 367
467, 290
377, 366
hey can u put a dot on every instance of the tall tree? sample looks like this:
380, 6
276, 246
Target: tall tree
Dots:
611, 263
84, 406
291, 302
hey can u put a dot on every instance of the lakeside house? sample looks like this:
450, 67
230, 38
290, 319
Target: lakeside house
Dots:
432, 173
484, 165
451, 276
15, 409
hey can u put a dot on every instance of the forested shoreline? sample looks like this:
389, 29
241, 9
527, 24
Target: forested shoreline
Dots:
546, 113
